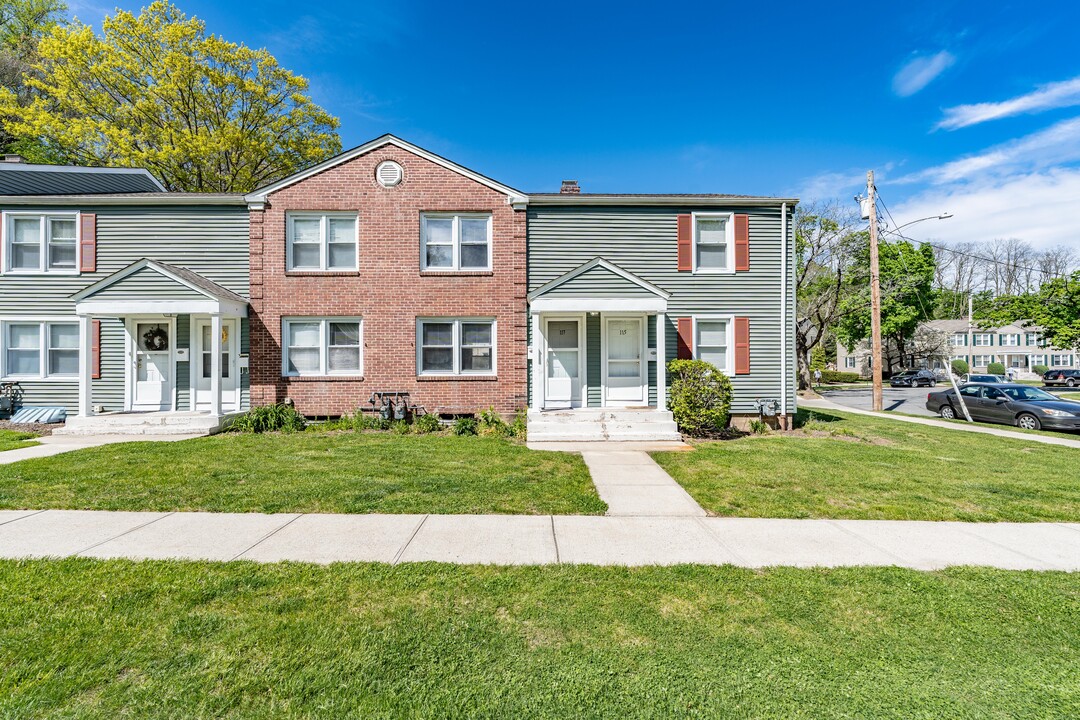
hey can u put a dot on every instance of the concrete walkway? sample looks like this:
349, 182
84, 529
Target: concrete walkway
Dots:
537, 539
1064, 441
56, 444
633, 485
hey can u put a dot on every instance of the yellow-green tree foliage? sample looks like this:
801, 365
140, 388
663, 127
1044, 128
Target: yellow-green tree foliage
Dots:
157, 91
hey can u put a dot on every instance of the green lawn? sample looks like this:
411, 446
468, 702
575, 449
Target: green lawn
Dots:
93, 639
860, 467
346, 472
11, 440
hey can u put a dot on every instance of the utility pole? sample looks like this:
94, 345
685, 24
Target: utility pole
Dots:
875, 292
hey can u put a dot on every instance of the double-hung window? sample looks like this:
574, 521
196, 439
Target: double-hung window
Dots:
1009, 339
959, 339
714, 241
850, 362
41, 243
983, 340
983, 360
40, 349
1032, 339
1060, 360
452, 346
455, 242
713, 341
322, 346
322, 241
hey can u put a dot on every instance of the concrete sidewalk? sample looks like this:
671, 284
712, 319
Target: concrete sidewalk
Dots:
537, 539
56, 444
961, 426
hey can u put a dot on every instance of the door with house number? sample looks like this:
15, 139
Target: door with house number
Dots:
563, 363
624, 377
153, 386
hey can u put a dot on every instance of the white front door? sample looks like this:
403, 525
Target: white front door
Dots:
152, 343
201, 359
563, 362
624, 361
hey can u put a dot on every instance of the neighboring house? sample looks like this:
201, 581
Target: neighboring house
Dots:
1018, 348
110, 288
391, 269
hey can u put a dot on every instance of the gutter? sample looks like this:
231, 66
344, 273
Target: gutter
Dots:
135, 199
658, 200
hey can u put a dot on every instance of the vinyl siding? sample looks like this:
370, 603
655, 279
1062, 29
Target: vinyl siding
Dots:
148, 283
599, 282
643, 241
212, 241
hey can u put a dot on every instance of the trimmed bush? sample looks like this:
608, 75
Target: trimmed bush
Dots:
995, 369
465, 426
960, 367
700, 396
837, 376
269, 418
1041, 369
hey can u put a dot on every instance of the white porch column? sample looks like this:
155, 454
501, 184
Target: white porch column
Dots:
215, 365
86, 367
537, 364
661, 362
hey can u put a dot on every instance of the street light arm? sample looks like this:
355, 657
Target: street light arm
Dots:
942, 216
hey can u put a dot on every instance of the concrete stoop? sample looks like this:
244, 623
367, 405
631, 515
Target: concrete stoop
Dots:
602, 425
148, 423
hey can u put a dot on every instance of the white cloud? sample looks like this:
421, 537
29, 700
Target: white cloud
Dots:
1047, 97
1055, 145
920, 71
1039, 207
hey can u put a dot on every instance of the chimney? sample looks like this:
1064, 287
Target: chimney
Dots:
13, 158
569, 187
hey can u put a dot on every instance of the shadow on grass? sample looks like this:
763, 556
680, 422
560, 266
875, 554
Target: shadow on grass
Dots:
804, 416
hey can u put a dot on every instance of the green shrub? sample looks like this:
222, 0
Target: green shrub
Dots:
400, 427
491, 423
759, 427
520, 427
837, 376
960, 367
995, 369
269, 418
1041, 369
700, 396
465, 426
427, 423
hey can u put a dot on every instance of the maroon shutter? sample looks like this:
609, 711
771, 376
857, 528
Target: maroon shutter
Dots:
95, 348
685, 346
88, 242
742, 242
686, 262
742, 346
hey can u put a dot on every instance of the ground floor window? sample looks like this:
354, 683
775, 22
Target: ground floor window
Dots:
713, 341
983, 360
455, 346
1038, 360
40, 349
1060, 360
322, 346
850, 362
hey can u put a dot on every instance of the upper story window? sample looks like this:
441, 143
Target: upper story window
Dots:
41, 243
455, 242
714, 242
850, 362
322, 241
959, 339
983, 340
40, 349
1010, 339
1032, 339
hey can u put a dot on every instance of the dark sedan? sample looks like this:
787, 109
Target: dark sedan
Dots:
913, 378
1009, 404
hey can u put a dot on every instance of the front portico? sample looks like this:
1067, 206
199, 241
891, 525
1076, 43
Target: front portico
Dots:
172, 347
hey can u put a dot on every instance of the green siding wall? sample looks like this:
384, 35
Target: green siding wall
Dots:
593, 366
599, 282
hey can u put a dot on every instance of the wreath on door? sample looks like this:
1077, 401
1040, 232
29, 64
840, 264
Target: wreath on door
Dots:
156, 339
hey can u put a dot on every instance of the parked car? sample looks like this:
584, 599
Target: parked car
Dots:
1009, 404
974, 378
1069, 378
914, 378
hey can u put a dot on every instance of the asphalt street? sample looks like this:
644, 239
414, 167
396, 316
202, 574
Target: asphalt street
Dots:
909, 400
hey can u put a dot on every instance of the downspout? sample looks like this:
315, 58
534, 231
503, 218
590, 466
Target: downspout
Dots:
783, 312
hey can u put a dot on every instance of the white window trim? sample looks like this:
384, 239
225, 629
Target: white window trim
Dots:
43, 262
989, 337
324, 349
1059, 361
729, 357
455, 241
729, 230
851, 362
456, 371
1006, 340
324, 240
959, 340
43, 348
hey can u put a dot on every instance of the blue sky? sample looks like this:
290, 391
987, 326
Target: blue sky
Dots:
968, 107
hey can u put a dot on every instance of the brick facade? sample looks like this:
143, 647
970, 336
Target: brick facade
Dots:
388, 291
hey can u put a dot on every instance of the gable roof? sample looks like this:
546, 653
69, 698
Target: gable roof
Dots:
598, 262
260, 195
188, 278
17, 178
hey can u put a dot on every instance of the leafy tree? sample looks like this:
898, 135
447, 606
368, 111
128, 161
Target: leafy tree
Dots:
907, 297
157, 91
1054, 308
22, 25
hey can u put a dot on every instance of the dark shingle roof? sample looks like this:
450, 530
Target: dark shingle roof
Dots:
25, 179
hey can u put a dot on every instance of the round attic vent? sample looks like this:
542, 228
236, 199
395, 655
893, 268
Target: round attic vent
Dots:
389, 173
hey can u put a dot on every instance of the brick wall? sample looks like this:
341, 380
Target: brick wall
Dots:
388, 291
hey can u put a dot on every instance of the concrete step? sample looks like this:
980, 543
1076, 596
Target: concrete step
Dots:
602, 425
141, 424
